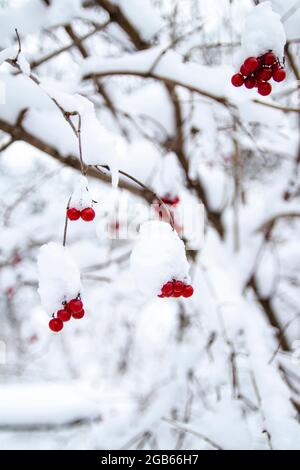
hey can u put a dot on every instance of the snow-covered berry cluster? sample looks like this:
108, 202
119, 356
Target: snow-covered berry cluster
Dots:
176, 288
256, 72
71, 309
158, 262
81, 203
87, 214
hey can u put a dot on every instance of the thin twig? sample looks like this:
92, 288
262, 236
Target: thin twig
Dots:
66, 223
282, 332
142, 185
183, 428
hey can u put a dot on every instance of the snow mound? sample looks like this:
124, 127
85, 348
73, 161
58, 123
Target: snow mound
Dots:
158, 256
263, 32
53, 403
59, 276
81, 197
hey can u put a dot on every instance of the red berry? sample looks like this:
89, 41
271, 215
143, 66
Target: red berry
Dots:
250, 82
269, 58
264, 74
175, 201
243, 70
88, 214
75, 306
178, 287
73, 214
177, 294
188, 291
279, 75
161, 296
251, 64
64, 315
55, 324
78, 315
264, 88
167, 289
166, 200
237, 80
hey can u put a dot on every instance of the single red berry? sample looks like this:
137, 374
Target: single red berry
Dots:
55, 324
63, 315
75, 306
78, 315
264, 88
167, 289
178, 287
279, 75
88, 214
250, 82
264, 74
73, 214
243, 70
269, 58
188, 291
251, 64
161, 296
237, 80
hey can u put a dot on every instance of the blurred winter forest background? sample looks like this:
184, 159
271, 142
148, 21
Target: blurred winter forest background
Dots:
220, 370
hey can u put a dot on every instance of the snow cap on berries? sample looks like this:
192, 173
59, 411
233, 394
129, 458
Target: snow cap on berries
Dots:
263, 32
59, 276
158, 257
81, 198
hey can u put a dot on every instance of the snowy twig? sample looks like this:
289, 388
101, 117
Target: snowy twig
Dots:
286, 109
184, 428
19, 46
142, 185
267, 226
173, 43
253, 380
20, 133
282, 332
52, 55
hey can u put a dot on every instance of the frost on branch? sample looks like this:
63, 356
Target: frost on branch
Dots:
59, 277
158, 257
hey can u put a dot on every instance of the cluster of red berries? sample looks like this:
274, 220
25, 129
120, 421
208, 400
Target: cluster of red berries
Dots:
170, 201
257, 71
73, 308
176, 289
87, 214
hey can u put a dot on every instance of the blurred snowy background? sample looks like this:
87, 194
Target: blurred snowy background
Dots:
218, 370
